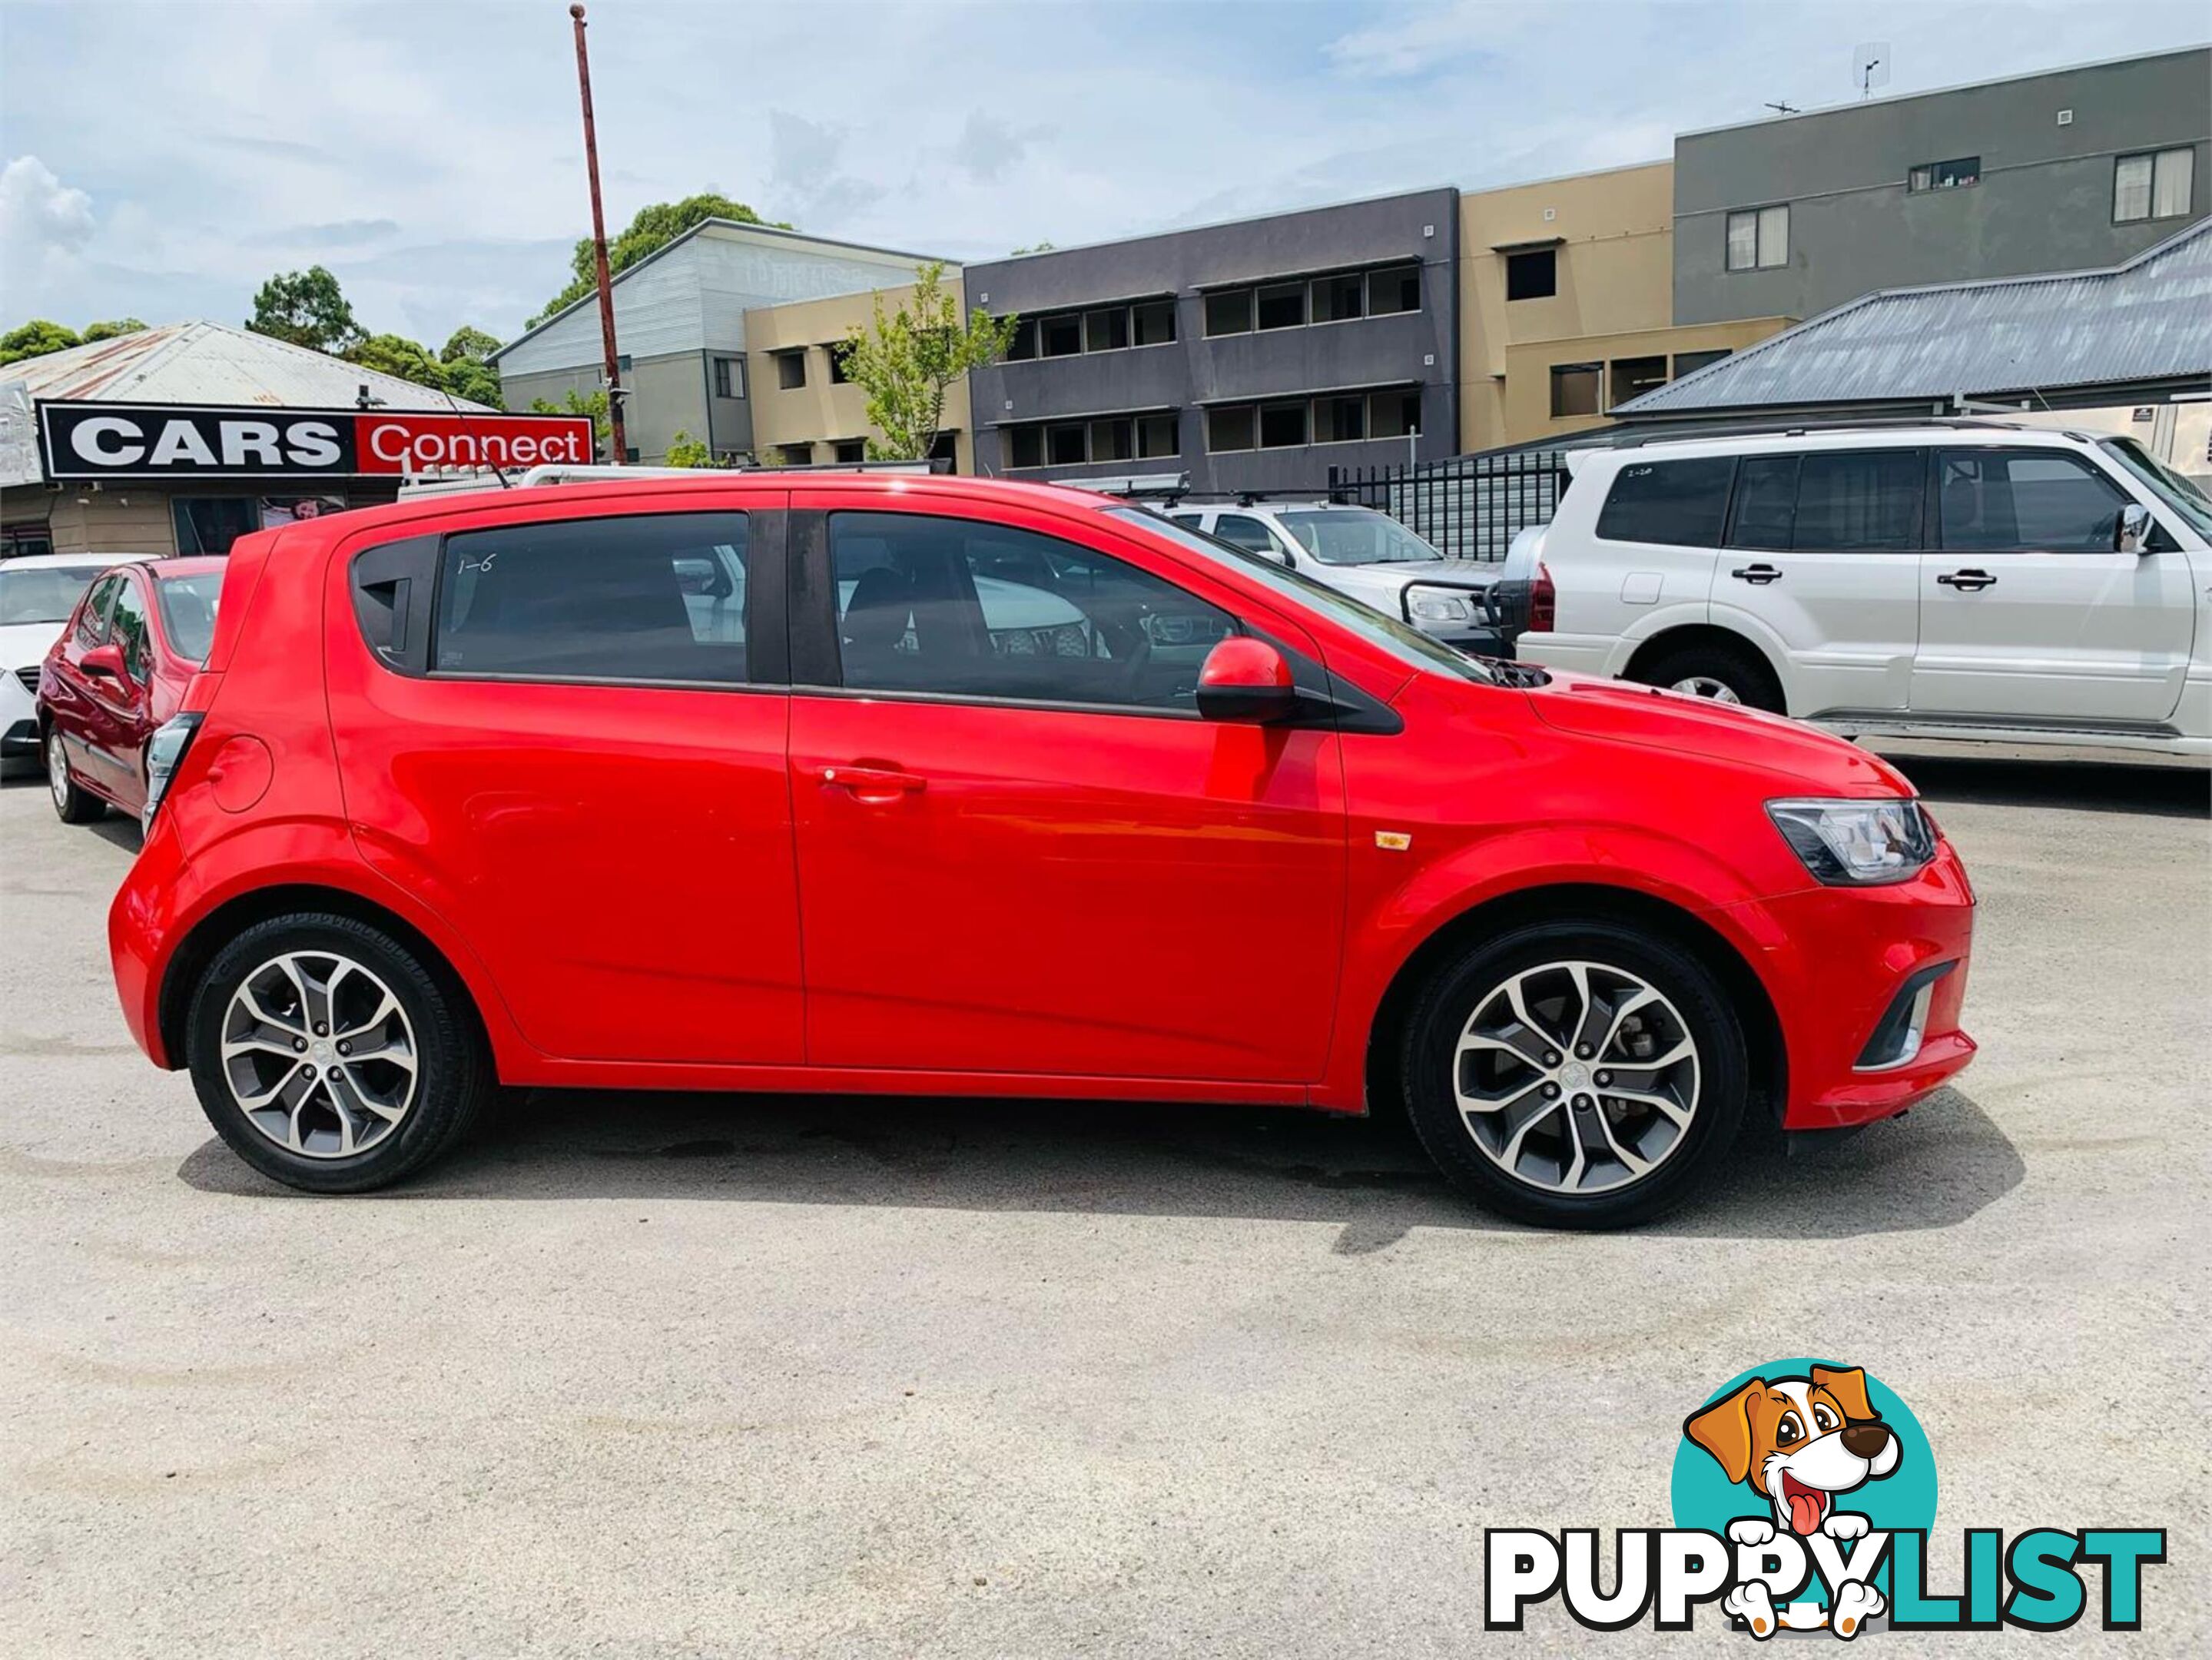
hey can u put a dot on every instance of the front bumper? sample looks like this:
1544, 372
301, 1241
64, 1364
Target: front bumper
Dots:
19, 717
1835, 962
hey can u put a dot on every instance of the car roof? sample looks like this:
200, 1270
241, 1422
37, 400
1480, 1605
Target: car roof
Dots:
197, 564
97, 559
1872, 436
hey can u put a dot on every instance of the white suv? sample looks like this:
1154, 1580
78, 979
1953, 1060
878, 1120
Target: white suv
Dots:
1363, 553
1965, 581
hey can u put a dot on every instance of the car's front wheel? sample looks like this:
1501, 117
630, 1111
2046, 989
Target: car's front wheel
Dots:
73, 803
331, 1056
1578, 1075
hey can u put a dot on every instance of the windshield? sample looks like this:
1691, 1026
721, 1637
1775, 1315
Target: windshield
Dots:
188, 611
47, 594
1355, 536
1409, 646
2176, 490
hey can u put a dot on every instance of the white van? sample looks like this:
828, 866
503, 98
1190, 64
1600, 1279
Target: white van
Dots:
1963, 580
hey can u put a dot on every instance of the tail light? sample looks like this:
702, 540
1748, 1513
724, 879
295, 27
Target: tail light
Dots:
163, 752
1543, 602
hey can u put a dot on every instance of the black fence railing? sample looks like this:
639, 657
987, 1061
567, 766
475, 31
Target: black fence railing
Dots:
1470, 506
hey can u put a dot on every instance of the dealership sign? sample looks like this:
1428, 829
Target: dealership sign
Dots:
179, 441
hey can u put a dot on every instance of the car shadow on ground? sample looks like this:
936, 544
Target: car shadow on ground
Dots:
2169, 791
1933, 1169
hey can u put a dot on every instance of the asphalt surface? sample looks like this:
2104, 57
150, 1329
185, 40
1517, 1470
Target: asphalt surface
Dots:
671, 1375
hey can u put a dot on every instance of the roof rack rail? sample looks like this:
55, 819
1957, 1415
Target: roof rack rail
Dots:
1783, 427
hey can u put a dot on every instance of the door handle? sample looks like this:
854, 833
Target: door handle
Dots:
1967, 581
1759, 574
872, 783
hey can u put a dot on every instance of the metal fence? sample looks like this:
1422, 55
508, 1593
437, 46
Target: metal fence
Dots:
1470, 506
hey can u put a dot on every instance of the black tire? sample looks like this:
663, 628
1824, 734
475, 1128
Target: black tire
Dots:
454, 1078
73, 803
1463, 986
1737, 666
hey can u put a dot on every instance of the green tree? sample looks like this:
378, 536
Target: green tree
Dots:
685, 451
906, 362
120, 326
1034, 247
467, 344
35, 339
469, 370
308, 309
395, 353
577, 403
653, 228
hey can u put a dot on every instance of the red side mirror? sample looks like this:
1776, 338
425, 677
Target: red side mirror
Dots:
104, 662
1246, 680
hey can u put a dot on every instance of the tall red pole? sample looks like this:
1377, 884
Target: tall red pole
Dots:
600, 251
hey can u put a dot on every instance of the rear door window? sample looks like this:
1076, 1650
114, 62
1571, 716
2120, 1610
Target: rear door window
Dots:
1675, 503
1765, 509
1859, 501
959, 607
1990, 501
656, 597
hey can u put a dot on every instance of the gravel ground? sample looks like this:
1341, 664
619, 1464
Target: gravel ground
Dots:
660, 1376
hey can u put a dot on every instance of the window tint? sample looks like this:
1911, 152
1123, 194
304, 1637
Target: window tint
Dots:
126, 626
1765, 502
652, 597
1245, 532
1676, 502
1991, 501
188, 606
1850, 501
928, 603
92, 620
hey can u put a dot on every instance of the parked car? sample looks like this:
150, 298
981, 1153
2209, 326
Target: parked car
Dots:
1969, 581
116, 673
1363, 553
37, 596
468, 793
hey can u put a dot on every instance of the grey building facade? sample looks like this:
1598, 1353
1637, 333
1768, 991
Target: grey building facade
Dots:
1252, 356
2071, 169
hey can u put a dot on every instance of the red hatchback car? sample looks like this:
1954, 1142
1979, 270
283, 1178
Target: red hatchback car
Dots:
117, 675
952, 785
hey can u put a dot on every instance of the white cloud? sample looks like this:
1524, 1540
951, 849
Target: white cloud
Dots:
43, 227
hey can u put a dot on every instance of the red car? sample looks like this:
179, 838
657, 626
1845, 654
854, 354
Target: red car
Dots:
948, 786
117, 674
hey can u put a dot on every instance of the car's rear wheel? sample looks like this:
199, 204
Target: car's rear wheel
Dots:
331, 1056
73, 803
1578, 1075
1726, 673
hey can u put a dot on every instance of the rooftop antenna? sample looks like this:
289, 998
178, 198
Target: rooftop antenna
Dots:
1870, 66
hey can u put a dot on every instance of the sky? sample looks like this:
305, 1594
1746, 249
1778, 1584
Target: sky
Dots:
163, 158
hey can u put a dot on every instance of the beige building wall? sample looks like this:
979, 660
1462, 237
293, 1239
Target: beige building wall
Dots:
1619, 359
821, 413
115, 519
1611, 235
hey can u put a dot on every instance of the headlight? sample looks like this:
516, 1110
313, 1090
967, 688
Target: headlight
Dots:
1438, 605
1856, 843
163, 750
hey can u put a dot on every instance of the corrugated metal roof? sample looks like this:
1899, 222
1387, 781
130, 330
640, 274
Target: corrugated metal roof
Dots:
2147, 320
191, 364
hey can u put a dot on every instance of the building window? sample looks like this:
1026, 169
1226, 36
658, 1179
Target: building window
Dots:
1392, 291
945, 449
1107, 330
1025, 446
1232, 428
1532, 275
1074, 443
1064, 446
1340, 420
1113, 439
1758, 238
791, 370
1330, 418
835, 352
1153, 322
2156, 185
1156, 437
1575, 388
1282, 306
795, 455
210, 524
1229, 313
1338, 299
1945, 176
1393, 414
1025, 340
846, 451
1689, 362
1634, 376
729, 377
1282, 426
1060, 336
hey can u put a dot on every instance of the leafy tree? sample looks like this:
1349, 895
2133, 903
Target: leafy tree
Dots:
395, 353
576, 402
469, 370
120, 327
35, 339
1034, 247
467, 344
685, 451
653, 228
906, 362
308, 309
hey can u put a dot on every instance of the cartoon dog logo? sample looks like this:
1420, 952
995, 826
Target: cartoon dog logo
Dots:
1799, 1443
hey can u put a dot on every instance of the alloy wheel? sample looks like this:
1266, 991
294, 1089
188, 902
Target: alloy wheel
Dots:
57, 778
1704, 686
318, 1054
1576, 1077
